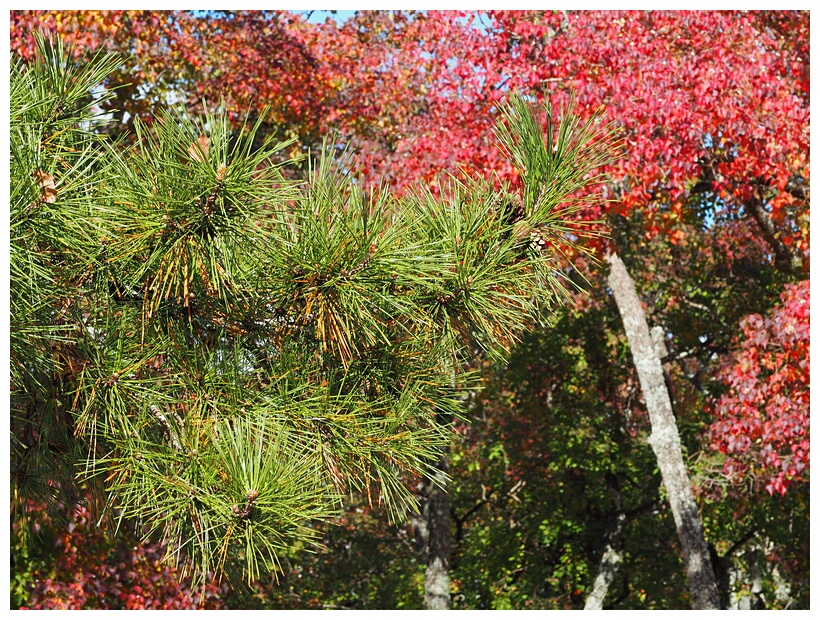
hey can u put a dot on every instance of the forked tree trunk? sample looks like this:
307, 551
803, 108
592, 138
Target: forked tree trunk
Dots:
664, 439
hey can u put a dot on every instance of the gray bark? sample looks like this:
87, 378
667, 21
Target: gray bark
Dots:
437, 575
608, 568
612, 555
664, 439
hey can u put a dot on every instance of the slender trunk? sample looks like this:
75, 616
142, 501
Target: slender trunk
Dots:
608, 568
612, 556
664, 439
437, 576
721, 565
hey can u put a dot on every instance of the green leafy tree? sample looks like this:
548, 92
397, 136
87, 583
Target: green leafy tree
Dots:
555, 456
215, 353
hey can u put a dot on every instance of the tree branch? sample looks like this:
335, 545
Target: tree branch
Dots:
784, 260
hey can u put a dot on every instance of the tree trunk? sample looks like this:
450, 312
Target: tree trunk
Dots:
664, 439
608, 568
612, 556
437, 576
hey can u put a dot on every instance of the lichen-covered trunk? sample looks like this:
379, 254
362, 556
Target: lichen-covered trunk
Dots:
664, 439
437, 576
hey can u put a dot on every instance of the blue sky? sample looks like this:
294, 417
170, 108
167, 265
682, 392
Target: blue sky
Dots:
318, 17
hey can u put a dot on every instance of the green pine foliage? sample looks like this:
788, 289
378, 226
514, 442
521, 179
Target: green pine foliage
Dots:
218, 353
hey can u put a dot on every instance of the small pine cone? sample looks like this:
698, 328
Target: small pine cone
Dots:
538, 241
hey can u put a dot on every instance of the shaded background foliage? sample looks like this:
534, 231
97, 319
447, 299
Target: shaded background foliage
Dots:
76, 565
710, 211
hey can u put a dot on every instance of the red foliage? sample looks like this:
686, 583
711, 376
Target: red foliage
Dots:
89, 573
715, 95
680, 83
718, 97
762, 422
162, 50
156, 39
